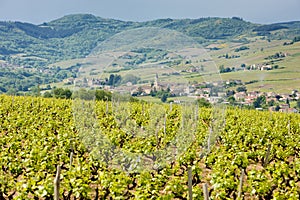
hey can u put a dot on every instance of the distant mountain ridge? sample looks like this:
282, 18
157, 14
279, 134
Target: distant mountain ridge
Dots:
74, 36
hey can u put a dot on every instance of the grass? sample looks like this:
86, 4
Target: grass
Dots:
149, 99
281, 80
278, 80
67, 63
157, 100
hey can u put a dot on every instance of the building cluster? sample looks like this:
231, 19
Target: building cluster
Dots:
213, 92
261, 67
84, 82
277, 102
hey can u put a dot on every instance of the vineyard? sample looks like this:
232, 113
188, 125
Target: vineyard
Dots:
254, 155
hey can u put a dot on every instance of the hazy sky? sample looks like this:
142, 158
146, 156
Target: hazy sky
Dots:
259, 11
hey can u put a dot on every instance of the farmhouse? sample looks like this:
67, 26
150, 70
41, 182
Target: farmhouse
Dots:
240, 95
68, 81
289, 110
266, 67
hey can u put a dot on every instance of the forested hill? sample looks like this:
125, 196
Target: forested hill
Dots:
27, 50
74, 36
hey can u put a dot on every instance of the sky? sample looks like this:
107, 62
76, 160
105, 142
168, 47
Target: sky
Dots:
257, 11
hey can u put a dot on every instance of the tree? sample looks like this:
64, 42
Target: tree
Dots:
221, 68
287, 102
231, 99
153, 92
271, 103
241, 89
278, 97
203, 103
296, 39
84, 94
61, 93
36, 91
61, 74
68, 93
2, 89
114, 79
140, 90
103, 95
117, 79
48, 87
294, 94
11, 91
164, 97
259, 102
202, 68
230, 92
111, 79
47, 95
130, 78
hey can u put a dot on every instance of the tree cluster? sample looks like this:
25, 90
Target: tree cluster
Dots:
223, 69
61, 93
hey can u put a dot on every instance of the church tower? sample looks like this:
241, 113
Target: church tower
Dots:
156, 81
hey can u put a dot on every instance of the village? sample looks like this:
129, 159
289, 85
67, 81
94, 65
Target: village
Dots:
212, 92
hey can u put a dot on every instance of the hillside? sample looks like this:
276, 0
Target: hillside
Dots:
27, 50
74, 36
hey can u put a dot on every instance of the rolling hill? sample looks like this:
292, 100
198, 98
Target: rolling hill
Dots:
31, 54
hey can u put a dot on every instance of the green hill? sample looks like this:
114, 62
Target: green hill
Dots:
74, 36
27, 50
